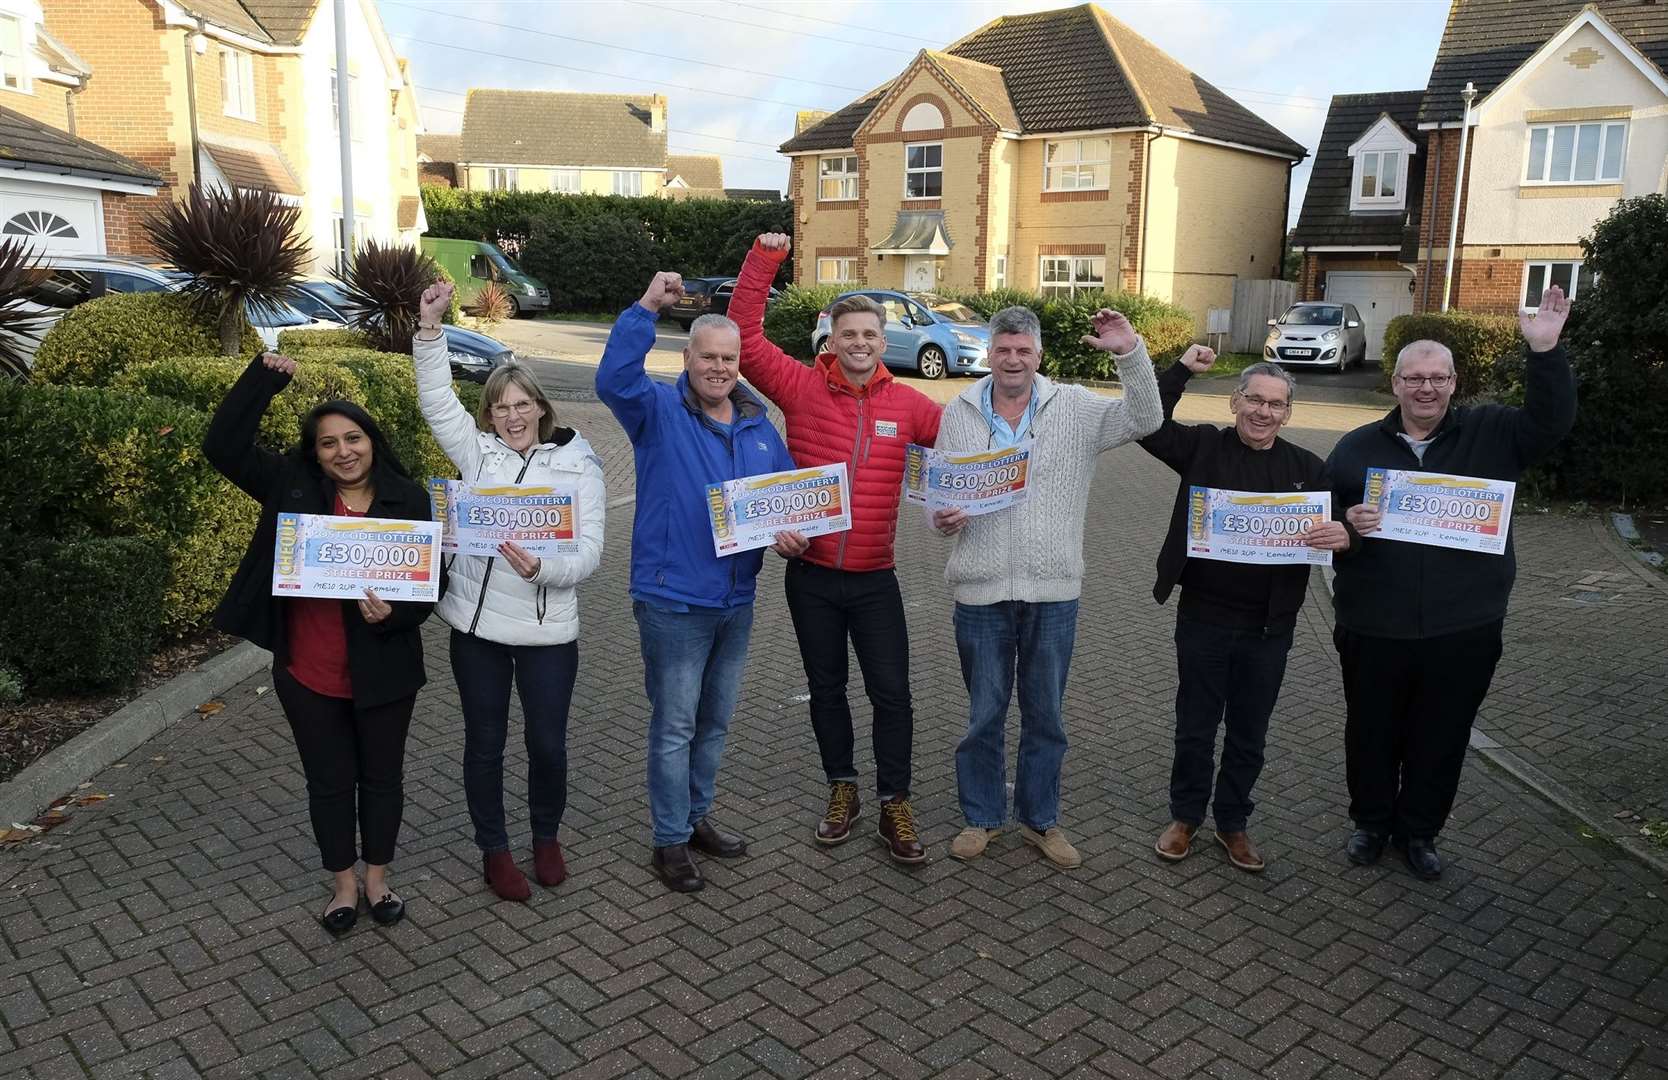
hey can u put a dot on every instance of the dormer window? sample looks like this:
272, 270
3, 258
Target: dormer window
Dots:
1380, 173
1379, 178
14, 67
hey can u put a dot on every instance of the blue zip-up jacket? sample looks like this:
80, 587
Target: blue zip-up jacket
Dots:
679, 451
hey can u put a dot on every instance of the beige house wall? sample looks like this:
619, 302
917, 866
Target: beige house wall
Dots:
538, 178
1004, 191
43, 101
829, 228
1085, 221
960, 204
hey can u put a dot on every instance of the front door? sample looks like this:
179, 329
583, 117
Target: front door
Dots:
919, 273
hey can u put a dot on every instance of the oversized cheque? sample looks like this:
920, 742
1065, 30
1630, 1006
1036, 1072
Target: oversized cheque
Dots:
748, 513
1470, 513
340, 557
1256, 526
977, 481
541, 519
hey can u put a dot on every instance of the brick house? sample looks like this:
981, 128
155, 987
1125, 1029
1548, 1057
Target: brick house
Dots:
541, 140
1571, 114
62, 193
694, 176
1057, 152
242, 93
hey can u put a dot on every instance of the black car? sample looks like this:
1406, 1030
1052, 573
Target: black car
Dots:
473, 354
706, 296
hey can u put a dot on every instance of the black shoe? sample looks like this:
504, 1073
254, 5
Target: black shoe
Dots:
677, 869
1365, 847
1422, 859
340, 920
389, 910
720, 845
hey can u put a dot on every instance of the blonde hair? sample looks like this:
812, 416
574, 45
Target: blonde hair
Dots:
501, 380
856, 305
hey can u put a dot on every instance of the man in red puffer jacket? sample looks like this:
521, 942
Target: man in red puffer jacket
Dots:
846, 408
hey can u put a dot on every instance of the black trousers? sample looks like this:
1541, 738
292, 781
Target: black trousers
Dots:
350, 756
1411, 704
1226, 677
828, 606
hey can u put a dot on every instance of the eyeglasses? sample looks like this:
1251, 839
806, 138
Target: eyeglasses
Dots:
520, 408
1275, 407
1437, 382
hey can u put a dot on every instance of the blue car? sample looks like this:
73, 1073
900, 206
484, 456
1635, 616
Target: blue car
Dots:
927, 333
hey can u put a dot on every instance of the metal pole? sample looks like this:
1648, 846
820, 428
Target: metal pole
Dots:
344, 83
1470, 95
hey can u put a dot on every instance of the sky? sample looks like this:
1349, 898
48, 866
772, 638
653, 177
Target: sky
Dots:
736, 71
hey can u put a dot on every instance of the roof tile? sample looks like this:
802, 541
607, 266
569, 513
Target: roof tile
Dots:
29, 143
539, 127
1326, 217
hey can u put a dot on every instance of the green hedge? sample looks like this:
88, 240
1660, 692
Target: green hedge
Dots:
790, 321
202, 383
95, 341
81, 614
388, 391
344, 338
1481, 344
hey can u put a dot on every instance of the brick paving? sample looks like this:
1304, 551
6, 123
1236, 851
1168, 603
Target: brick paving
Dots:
169, 931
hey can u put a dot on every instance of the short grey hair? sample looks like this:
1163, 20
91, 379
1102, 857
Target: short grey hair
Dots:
1423, 347
1273, 371
713, 322
1017, 320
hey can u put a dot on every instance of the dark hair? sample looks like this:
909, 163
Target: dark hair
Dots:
382, 454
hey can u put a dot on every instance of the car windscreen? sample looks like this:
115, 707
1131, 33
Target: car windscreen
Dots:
276, 315
953, 311
502, 261
1313, 315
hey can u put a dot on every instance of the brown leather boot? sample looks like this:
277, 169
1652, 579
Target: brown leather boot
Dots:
1175, 843
897, 831
548, 865
1240, 851
505, 876
835, 826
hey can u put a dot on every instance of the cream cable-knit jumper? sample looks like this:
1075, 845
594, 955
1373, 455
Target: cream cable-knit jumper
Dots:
1034, 551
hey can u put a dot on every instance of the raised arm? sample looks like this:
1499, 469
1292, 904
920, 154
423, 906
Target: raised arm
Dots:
229, 444
773, 372
566, 571
1173, 443
1548, 410
454, 429
1139, 412
623, 384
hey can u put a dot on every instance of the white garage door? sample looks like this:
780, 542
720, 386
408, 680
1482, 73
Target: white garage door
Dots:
54, 219
1379, 295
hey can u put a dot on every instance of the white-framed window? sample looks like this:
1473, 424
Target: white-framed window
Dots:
1572, 277
1077, 164
837, 178
834, 271
353, 103
237, 83
628, 183
1378, 177
923, 170
565, 181
1001, 278
503, 180
1587, 153
1068, 275
338, 243
14, 66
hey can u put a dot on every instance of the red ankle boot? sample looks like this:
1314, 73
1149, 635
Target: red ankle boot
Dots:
548, 865
505, 877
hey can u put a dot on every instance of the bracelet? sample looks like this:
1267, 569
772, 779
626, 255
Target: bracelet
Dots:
428, 326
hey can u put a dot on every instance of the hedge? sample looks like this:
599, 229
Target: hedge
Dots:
202, 383
790, 321
343, 338
1481, 344
96, 340
388, 391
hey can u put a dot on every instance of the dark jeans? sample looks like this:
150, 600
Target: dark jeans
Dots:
828, 606
544, 676
1411, 706
349, 756
1225, 677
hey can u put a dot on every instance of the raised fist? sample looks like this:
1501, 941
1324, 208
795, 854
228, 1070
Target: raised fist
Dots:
1198, 358
278, 362
775, 241
665, 290
436, 299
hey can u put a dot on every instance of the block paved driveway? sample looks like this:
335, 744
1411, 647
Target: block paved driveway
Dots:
169, 931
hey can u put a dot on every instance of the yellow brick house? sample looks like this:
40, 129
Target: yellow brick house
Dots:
576, 144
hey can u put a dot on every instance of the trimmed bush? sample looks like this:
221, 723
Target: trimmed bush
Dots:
599, 263
344, 338
1480, 344
95, 341
469, 393
790, 321
203, 381
388, 391
81, 614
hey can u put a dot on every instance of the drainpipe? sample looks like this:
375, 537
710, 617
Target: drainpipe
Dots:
1469, 94
69, 100
1430, 228
1146, 207
1285, 229
196, 44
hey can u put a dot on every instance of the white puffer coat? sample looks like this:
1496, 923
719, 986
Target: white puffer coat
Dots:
514, 611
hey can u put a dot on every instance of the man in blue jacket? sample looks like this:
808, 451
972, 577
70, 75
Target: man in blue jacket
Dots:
694, 610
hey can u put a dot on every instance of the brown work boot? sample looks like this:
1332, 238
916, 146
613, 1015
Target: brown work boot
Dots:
1240, 852
1175, 843
897, 831
835, 826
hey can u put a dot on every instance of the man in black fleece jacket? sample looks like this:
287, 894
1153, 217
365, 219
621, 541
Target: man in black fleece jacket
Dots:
1234, 621
1418, 628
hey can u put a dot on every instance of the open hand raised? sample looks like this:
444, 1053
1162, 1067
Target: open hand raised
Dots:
1112, 333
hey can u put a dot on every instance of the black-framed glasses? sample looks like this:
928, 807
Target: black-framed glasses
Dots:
1275, 407
1437, 382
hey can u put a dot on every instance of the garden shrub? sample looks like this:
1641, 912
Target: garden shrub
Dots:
1480, 344
599, 263
341, 338
202, 382
388, 391
96, 340
790, 321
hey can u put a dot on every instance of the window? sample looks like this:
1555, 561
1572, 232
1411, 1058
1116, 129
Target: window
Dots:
40, 225
1572, 277
628, 183
353, 101
503, 180
1575, 153
1001, 280
237, 83
924, 171
1077, 165
837, 178
1379, 177
565, 181
14, 69
834, 271
1070, 276
338, 246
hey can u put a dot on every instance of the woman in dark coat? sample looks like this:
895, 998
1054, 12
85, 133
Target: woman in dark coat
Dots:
346, 672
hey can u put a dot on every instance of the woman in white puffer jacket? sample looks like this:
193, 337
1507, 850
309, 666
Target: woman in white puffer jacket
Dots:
515, 616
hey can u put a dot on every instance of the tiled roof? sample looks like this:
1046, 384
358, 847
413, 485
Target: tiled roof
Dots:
538, 127
1486, 40
255, 169
697, 170
444, 148
231, 15
285, 20
983, 83
1326, 217
1075, 69
742, 194
35, 147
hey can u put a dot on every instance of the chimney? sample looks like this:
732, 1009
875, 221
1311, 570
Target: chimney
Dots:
808, 118
657, 113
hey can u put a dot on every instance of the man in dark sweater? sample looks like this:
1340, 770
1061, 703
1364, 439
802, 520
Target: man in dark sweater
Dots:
1418, 627
1234, 621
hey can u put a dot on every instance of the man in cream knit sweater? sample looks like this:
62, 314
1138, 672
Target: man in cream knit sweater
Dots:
1016, 573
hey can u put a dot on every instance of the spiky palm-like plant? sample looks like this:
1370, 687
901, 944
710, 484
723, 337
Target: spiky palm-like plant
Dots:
384, 287
240, 248
492, 304
20, 272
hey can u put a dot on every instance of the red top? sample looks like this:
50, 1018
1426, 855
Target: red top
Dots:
318, 637
829, 420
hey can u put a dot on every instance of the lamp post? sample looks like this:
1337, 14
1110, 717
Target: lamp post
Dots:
1468, 95
344, 83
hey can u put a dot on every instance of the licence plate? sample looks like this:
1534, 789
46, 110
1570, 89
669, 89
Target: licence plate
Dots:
1298, 354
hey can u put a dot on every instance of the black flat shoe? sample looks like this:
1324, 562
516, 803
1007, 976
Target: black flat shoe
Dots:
389, 910
1365, 847
708, 839
677, 870
340, 920
1422, 859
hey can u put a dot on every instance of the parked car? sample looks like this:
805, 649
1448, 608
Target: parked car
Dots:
1317, 335
473, 263
928, 333
706, 296
473, 355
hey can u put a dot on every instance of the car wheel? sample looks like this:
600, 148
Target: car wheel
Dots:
819, 346
931, 362
515, 307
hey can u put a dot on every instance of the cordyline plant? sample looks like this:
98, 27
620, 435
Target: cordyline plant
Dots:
20, 272
384, 287
240, 249
492, 304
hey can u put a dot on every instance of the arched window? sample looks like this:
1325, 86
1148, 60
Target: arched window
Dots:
923, 116
40, 224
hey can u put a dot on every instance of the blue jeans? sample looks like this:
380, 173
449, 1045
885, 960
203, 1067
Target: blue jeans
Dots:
990, 639
692, 664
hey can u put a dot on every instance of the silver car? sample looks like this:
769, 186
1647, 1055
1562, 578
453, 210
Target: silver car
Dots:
1317, 334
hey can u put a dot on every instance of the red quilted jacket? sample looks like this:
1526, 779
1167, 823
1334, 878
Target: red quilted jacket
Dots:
830, 420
